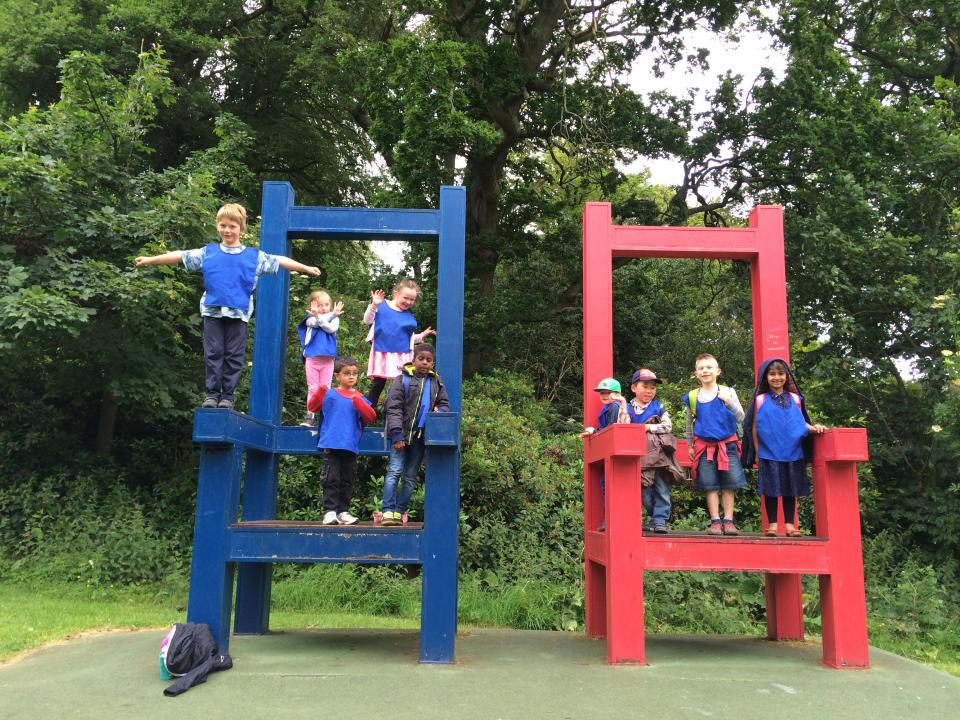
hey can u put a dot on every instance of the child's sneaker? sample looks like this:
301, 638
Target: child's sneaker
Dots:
209, 402
346, 518
225, 404
660, 527
729, 528
330, 518
715, 527
390, 518
309, 420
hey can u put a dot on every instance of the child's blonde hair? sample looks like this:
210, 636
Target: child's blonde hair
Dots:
319, 295
407, 284
705, 356
235, 212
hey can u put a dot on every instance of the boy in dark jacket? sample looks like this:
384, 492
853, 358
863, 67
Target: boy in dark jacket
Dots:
418, 391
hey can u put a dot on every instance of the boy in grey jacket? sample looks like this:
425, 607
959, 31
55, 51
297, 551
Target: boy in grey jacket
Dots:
418, 391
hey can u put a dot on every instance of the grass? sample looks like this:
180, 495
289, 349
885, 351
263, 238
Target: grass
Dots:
33, 614
36, 614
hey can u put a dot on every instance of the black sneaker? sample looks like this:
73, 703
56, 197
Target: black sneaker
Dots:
225, 404
209, 402
660, 528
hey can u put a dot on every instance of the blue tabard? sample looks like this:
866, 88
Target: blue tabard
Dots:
424, 403
654, 409
780, 430
392, 329
229, 278
341, 426
715, 421
608, 415
322, 343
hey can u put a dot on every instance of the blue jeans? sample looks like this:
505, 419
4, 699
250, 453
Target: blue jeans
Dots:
402, 467
656, 500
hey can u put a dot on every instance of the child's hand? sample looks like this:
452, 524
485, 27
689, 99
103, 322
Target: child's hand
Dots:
429, 331
142, 260
314, 308
399, 445
587, 432
690, 451
816, 428
376, 297
725, 394
616, 397
338, 308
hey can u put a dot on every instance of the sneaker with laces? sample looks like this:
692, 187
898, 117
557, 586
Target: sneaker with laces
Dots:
225, 404
715, 527
209, 402
346, 518
390, 518
729, 528
660, 527
330, 518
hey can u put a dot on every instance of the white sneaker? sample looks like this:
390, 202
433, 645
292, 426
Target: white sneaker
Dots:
330, 518
346, 518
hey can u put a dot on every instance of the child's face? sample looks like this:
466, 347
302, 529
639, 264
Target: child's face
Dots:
606, 397
423, 362
405, 298
348, 376
320, 305
707, 371
776, 379
644, 391
229, 231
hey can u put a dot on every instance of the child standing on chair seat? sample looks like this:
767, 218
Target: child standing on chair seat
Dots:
318, 342
392, 334
416, 393
777, 436
659, 466
345, 413
230, 273
712, 415
614, 410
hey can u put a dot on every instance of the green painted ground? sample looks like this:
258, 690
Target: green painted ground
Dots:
499, 674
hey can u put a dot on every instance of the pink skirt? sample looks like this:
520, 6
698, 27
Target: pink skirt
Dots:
387, 364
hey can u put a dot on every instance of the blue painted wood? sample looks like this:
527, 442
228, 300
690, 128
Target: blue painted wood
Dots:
442, 429
220, 543
438, 613
211, 574
442, 482
230, 427
266, 400
365, 544
364, 223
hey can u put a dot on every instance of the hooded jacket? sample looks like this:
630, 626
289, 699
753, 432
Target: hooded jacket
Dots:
400, 407
748, 452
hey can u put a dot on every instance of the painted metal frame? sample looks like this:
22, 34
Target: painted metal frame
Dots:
242, 451
616, 559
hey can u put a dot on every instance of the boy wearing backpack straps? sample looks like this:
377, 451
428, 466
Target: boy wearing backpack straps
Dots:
418, 391
713, 413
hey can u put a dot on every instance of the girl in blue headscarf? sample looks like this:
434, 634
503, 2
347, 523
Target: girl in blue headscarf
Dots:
777, 436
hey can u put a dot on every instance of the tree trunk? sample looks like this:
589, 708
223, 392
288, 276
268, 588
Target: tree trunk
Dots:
107, 423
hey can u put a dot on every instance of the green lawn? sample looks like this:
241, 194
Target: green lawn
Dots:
34, 615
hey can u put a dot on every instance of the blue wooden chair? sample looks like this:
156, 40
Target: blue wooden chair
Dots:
238, 449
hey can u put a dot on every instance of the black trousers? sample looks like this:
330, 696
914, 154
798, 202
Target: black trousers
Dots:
339, 474
224, 348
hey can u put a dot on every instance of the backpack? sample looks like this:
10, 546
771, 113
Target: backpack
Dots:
189, 652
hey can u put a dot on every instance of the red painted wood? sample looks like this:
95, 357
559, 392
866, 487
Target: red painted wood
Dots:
616, 559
